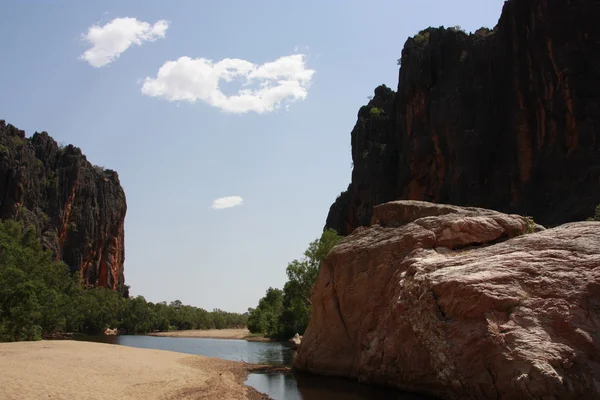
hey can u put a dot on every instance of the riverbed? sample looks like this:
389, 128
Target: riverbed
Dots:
278, 386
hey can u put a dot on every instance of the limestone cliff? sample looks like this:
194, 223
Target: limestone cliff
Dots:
77, 209
507, 119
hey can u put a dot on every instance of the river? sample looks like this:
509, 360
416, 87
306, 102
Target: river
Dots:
276, 386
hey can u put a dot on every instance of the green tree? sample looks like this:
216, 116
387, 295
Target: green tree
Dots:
302, 276
39, 295
264, 319
33, 287
596, 216
98, 308
281, 314
160, 316
137, 316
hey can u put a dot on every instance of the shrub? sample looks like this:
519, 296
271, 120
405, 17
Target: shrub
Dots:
18, 141
483, 32
530, 225
421, 37
375, 111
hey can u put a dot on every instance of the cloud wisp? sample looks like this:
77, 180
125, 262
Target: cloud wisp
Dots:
227, 202
112, 39
263, 88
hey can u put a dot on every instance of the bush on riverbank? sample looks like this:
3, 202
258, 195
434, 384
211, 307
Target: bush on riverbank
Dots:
39, 295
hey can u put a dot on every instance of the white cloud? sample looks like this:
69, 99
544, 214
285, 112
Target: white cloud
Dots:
227, 202
112, 39
284, 80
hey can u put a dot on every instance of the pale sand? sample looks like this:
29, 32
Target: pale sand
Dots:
83, 370
208, 333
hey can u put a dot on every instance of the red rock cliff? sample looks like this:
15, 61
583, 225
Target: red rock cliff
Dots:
78, 209
507, 119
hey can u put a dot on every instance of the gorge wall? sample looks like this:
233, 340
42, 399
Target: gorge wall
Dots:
78, 209
506, 119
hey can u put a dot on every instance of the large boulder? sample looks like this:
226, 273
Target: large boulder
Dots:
461, 303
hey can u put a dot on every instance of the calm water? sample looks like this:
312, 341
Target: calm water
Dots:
310, 387
277, 386
271, 353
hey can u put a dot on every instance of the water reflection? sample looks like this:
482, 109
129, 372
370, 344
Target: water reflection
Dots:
277, 386
311, 387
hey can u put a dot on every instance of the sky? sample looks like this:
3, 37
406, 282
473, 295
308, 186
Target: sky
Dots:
228, 122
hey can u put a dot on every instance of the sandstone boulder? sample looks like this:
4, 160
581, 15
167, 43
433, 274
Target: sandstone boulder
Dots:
461, 303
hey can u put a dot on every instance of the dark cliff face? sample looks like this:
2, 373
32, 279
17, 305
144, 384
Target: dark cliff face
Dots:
507, 119
375, 160
78, 209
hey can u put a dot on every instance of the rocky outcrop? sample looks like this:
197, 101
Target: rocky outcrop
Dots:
506, 119
461, 303
296, 341
77, 209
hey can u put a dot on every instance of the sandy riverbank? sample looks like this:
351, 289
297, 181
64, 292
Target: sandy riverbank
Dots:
84, 370
213, 334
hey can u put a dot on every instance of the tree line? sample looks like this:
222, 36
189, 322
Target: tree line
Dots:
40, 296
281, 314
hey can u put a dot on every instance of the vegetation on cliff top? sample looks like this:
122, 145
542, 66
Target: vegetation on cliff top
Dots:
39, 296
283, 313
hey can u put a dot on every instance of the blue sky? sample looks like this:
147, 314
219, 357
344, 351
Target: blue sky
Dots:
174, 158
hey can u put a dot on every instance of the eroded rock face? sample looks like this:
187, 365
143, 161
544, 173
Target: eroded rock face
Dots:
505, 119
460, 303
77, 209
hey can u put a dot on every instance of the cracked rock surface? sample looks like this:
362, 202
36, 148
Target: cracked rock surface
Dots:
460, 303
